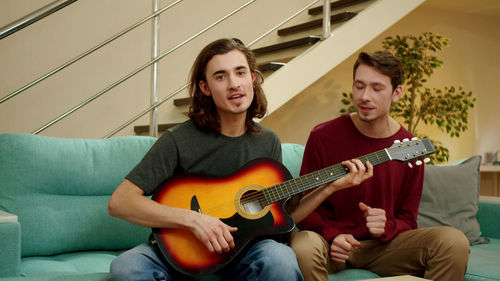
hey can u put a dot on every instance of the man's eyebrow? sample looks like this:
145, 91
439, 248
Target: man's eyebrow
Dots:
222, 71
219, 72
368, 82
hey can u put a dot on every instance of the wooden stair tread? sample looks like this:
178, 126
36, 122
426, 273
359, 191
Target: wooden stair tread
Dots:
275, 65
182, 101
337, 18
335, 5
271, 66
289, 44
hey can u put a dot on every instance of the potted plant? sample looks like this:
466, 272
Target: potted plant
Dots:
446, 108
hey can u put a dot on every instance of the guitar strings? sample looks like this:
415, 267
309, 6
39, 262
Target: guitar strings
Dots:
268, 195
294, 186
336, 171
375, 158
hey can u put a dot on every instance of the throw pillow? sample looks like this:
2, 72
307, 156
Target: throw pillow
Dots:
450, 197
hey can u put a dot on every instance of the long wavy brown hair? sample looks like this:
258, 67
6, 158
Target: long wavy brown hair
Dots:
203, 111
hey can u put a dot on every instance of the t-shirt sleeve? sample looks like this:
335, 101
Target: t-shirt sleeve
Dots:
156, 166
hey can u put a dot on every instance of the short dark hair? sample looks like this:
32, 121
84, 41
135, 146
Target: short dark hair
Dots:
203, 110
385, 62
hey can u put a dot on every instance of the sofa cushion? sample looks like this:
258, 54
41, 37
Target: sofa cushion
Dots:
76, 263
352, 274
487, 216
10, 248
62, 276
483, 262
450, 197
292, 157
59, 190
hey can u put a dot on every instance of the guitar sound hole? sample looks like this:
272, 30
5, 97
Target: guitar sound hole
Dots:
252, 202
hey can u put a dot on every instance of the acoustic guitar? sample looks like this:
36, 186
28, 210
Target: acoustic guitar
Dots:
251, 199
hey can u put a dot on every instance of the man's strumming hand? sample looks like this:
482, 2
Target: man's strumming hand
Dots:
375, 219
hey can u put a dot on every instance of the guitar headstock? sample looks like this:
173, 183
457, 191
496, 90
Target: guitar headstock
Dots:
408, 150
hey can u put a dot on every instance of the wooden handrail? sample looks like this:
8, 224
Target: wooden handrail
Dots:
289, 44
316, 23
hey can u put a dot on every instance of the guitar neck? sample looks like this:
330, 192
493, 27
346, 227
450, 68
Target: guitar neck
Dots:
297, 185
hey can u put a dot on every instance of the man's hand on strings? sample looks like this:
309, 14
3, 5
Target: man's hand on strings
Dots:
358, 172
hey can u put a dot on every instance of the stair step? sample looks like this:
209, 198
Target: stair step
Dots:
285, 45
271, 66
182, 101
337, 18
335, 5
144, 129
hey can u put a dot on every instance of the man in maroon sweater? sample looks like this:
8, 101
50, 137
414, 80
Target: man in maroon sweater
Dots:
374, 224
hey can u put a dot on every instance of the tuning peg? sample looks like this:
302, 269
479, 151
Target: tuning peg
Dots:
406, 140
414, 138
410, 165
397, 141
418, 162
427, 160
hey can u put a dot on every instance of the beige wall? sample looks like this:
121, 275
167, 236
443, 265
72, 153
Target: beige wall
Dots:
469, 60
49, 43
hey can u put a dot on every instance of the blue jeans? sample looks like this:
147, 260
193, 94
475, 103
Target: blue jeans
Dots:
266, 260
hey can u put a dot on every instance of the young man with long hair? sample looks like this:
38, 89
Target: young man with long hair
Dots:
218, 139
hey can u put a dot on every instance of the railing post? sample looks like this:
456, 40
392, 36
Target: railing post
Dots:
326, 19
153, 123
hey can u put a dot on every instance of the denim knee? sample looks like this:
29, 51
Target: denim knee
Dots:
121, 266
277, 262
139, 263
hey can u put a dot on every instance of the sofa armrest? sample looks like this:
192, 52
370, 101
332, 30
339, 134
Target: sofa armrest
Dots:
487, 216
10, 245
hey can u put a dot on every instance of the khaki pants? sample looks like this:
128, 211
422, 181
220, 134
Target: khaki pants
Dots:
436, 253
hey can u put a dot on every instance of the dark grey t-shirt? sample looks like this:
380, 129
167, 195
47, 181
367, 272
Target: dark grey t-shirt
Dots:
185, 148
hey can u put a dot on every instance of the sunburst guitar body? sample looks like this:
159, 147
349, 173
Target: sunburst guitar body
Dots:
236, 200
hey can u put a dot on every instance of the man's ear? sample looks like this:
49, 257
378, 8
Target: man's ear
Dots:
204, 88
397, 94
254, 77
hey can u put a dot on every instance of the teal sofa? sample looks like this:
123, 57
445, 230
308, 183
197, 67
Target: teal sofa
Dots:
54, 223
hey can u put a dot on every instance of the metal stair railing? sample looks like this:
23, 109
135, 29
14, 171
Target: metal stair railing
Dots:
86, 53
141, 68
155, 102
34, 17
326, 33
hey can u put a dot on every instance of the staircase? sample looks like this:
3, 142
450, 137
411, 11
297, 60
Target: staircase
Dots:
304, 59
291, 58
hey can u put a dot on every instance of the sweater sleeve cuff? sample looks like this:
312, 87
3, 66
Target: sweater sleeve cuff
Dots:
389, 232
329, 234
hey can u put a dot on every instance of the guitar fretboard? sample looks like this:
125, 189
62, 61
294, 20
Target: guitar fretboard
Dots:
300, 184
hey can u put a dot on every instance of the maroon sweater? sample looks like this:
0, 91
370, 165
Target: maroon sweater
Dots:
394, 187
